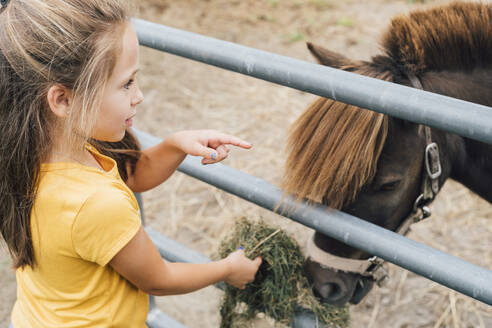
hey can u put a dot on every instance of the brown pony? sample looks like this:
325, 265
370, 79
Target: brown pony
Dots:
371, 165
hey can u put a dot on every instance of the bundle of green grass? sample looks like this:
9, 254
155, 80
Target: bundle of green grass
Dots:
280, 285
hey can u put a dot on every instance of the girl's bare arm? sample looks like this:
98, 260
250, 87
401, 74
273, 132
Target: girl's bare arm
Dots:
140, 262
160, 161
155, 165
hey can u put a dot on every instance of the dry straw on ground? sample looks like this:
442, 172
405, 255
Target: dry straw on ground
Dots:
280, 284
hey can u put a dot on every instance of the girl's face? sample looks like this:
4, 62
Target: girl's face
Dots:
122, 94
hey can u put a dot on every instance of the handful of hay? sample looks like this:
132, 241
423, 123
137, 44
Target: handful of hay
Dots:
280, 284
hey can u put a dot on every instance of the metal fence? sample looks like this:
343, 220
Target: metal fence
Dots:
464, 118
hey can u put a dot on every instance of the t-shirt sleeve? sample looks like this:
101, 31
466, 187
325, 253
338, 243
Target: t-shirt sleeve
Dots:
105, 223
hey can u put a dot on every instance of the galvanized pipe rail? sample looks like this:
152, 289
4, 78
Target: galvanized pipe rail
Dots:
457, 116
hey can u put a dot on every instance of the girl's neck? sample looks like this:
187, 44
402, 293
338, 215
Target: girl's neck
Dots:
70, 150
83, 157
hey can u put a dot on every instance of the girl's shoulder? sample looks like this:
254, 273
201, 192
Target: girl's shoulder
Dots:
112, 196
105, 222
87, 212
76, 186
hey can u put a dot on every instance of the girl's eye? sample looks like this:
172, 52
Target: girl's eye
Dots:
128, 84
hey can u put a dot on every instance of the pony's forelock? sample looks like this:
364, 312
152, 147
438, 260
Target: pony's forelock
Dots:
333, 151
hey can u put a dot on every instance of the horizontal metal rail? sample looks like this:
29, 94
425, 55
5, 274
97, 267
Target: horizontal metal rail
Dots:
450, 271
157, 319
457, 116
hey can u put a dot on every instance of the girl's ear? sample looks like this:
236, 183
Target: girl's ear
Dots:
59, 100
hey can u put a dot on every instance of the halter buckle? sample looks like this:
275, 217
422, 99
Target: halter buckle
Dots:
432, 162
377, 271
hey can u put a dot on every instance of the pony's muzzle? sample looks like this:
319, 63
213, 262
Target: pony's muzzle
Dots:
335, 288
343, 288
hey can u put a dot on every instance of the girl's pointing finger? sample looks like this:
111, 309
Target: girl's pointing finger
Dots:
235, 141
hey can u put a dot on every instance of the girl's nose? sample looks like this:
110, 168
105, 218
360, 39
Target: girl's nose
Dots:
138, 97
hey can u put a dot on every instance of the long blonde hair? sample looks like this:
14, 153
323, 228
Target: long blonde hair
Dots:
73, 43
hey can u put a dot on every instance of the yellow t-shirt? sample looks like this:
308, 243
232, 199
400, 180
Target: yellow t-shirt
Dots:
82, 217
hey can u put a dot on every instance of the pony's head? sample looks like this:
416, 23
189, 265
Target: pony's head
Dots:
371, 165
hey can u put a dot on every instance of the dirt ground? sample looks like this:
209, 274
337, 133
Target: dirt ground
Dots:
181, 94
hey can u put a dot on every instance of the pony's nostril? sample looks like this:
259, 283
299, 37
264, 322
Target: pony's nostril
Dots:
330, 291
325, 290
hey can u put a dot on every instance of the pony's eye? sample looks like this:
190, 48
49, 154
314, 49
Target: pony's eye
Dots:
389, 186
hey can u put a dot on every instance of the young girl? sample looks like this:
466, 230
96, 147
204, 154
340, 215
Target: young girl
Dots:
72, 225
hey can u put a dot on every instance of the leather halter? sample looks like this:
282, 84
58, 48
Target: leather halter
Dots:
374, 267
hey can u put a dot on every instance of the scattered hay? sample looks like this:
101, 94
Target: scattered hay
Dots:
280, 284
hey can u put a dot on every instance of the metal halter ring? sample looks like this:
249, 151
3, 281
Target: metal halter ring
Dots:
420, 202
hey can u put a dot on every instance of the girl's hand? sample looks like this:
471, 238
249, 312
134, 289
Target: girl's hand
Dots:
241, 269
210, 144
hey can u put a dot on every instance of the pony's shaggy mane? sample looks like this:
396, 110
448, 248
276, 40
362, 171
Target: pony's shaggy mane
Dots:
444, 38
333, 151
334, 147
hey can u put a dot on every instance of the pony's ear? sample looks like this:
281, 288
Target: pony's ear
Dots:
327, 57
